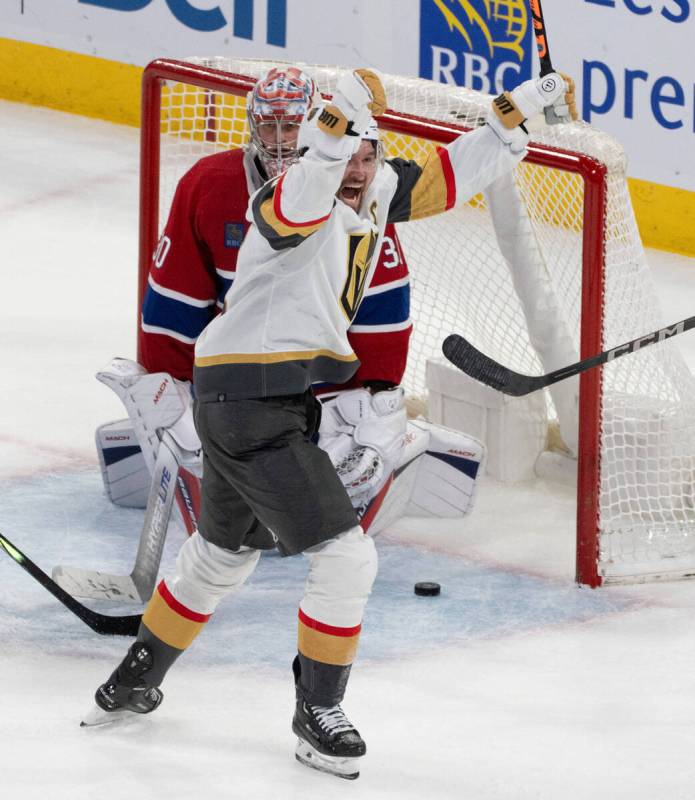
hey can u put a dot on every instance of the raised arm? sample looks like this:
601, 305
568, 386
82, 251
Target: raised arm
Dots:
474, 160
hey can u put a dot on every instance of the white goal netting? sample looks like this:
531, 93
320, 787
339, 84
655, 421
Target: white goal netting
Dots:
515, 273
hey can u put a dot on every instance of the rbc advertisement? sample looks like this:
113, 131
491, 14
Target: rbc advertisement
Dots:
633, 60
483, 45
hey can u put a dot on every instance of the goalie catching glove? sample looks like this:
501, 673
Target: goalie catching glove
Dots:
364, 435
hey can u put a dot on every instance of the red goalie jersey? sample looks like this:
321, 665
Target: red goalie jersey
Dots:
195, 265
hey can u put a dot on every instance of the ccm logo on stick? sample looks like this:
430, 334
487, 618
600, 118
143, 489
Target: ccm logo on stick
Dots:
658, 336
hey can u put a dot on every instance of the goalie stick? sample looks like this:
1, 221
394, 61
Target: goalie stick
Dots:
168, 479
101, 623
470, 360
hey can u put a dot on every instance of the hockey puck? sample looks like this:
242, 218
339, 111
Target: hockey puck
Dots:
427, 589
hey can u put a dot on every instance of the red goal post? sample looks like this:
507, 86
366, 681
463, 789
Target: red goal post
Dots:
580, 211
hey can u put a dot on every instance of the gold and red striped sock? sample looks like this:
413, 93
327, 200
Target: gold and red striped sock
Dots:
170, 620
328, 644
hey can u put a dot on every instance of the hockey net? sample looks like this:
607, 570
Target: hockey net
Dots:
548, 267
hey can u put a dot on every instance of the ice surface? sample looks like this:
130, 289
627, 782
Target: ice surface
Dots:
513, 684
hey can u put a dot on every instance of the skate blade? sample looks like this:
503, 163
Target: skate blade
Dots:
342, 767
97, 716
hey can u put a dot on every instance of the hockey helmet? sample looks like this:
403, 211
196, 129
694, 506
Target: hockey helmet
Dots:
371, 134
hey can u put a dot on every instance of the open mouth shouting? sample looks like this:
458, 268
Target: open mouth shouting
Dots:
351, 194
358, 176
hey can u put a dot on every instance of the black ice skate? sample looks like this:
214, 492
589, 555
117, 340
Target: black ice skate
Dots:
126, 692
327, 740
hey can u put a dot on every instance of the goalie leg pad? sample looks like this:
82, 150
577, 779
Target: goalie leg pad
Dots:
435, 477
446, 480
153, 401
404, 476
123, 468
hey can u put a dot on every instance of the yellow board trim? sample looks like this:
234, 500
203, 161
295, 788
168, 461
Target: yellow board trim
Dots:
109, 90
665, 216
85, 85
270, 358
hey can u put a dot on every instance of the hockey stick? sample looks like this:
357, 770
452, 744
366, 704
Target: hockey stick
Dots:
541, 37
139, 585
468, 359
543, 53
101, 623
188, 499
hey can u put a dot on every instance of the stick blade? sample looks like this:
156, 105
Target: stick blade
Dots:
100, 623
462, 354
97, 585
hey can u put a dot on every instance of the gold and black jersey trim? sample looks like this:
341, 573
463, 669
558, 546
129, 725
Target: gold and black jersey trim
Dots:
425, 187
244, 375
279, 232
270, 358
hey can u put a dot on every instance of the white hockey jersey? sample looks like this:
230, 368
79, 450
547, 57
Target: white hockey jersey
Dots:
305, 262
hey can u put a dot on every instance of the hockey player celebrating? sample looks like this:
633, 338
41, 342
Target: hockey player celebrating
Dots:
196, 265
190, 274
196, 259
302, 270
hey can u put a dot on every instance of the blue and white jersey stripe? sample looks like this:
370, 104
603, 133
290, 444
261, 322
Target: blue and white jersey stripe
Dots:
174, 314
384, 308
225, 281
166, 332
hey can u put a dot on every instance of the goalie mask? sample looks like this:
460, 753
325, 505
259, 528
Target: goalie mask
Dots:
275, 108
